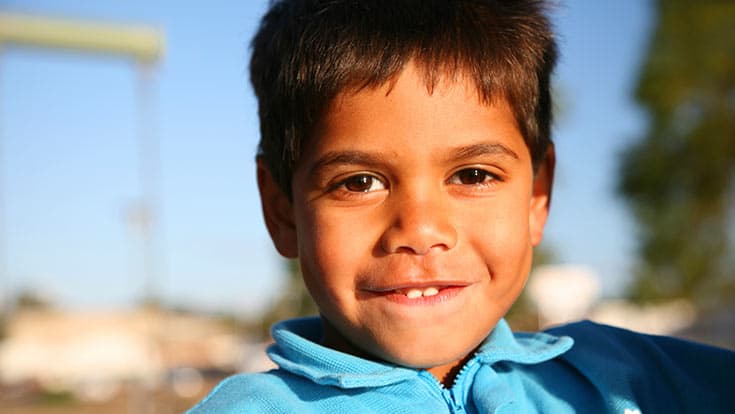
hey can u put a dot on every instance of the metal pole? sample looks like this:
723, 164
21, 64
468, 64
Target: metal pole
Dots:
150, 181
4, 277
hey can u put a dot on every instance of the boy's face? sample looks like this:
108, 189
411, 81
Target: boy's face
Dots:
414, 217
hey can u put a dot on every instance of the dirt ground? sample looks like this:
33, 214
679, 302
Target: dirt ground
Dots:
128, 401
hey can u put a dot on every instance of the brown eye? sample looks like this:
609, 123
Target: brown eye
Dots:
472, 176
362, 183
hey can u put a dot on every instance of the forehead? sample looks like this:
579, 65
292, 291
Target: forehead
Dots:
408, 114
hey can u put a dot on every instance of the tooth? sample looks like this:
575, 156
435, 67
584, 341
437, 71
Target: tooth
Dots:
414, 293
430, 291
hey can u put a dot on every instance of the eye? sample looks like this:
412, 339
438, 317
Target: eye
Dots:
361, 183
472, 176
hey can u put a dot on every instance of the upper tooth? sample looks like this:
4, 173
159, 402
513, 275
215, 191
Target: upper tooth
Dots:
414, 293
430, 291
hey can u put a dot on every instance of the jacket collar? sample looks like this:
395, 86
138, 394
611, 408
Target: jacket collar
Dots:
521, 347
298, 351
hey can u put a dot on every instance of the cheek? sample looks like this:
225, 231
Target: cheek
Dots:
329, 251
503, 230
503, 242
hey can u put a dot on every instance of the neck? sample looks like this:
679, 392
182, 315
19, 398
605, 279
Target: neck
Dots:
446, 374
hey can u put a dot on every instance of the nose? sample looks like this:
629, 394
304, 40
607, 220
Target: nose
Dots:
420, 224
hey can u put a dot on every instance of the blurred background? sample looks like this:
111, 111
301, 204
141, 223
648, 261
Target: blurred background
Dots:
135, 269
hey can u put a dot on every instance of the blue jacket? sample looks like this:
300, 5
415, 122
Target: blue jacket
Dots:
603, 369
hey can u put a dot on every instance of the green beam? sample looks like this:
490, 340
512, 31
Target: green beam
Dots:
143, 43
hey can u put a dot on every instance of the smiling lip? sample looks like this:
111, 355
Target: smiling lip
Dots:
419, 294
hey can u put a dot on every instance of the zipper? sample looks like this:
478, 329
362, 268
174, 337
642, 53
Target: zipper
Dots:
454, 396
437, 386
459, 386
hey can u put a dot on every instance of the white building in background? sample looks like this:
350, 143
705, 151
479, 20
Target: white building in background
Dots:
563, 293
661, 319
94, 354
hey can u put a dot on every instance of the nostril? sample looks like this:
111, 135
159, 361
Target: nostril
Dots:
418, 249
410, 250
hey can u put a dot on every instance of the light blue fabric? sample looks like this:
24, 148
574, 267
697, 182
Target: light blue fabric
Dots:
607, 370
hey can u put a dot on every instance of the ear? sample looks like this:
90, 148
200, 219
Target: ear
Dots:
278, 213
543, 182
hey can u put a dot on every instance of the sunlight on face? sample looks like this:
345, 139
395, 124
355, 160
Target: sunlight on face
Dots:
414, 218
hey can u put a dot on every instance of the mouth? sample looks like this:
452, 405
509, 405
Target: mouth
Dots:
420, 294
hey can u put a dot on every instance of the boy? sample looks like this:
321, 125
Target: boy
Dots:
406, 160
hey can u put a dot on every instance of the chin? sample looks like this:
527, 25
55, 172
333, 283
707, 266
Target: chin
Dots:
424, 354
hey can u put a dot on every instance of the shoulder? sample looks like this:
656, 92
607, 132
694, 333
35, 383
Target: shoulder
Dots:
268, 392
662, 369
607, 341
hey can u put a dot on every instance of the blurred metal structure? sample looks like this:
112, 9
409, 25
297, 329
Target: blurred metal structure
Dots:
145, 45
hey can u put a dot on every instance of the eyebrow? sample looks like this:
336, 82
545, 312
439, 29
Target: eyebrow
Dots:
369, 159
485, 148
347, 158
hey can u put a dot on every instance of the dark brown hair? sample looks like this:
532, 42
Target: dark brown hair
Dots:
306, 52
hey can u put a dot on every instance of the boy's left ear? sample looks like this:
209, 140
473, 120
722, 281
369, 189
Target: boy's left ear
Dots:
543, 182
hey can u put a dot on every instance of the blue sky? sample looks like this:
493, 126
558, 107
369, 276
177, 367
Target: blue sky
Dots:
69, 135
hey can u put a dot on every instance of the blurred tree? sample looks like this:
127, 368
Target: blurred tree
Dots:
678, 180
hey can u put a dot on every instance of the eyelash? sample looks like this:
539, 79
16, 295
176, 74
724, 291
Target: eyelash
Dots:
354, 179
486, 179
